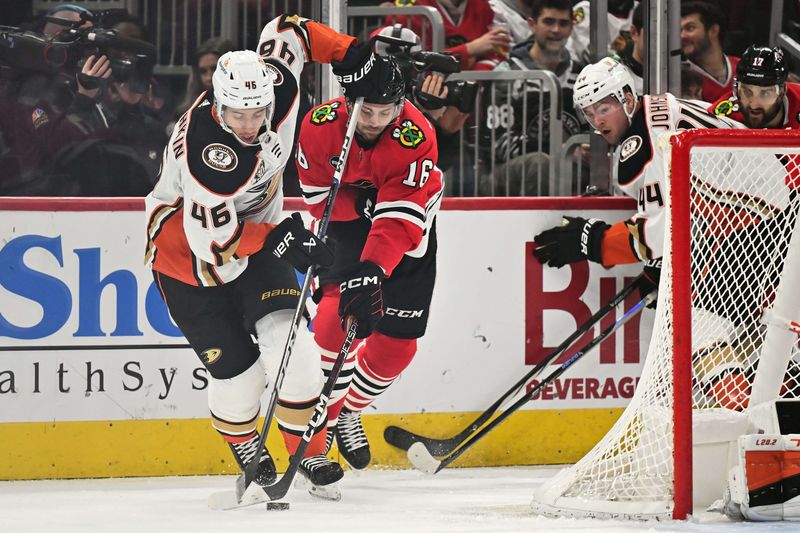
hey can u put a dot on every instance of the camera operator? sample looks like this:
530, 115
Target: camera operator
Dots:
96, 80
128, 140
447, 104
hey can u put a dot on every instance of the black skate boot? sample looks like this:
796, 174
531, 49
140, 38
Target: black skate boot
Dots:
244, 453
351, 439
321, 475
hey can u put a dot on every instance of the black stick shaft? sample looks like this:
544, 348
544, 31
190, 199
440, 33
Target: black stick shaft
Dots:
403, 439
546, 381
279, 489
244, 480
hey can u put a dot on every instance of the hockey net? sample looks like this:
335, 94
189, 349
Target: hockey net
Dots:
725, 332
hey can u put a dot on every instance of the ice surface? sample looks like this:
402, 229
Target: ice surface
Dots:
468, 499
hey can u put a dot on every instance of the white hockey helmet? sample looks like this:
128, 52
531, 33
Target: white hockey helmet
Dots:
607, 77
242, 81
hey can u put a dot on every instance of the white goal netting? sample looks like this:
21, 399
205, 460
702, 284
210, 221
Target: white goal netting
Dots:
744, 255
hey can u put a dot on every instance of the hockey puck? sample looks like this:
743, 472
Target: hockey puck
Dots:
277, 506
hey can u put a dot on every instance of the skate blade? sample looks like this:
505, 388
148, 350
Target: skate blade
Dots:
325, 492
226, 500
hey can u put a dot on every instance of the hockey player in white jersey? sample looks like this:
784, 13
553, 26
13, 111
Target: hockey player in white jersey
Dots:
605, 93
221, 256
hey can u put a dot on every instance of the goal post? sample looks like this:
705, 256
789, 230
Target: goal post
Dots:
724, 338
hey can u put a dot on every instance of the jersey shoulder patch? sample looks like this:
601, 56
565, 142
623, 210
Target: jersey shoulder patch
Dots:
408, 134
325, 113
635, 150
725, 107
578, 16
215, 159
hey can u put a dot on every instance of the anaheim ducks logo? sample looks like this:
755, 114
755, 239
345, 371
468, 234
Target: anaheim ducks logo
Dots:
325, 113
220, 157
276, 74
211, 355
408, 134
629, 147
725, 108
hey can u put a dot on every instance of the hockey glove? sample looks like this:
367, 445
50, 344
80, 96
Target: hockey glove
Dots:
575, 240
352, 72
651, 274
292, 242
361, 296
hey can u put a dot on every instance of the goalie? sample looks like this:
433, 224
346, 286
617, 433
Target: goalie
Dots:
604, 92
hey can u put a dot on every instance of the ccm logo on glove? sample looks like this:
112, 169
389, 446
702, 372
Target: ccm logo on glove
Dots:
359, 282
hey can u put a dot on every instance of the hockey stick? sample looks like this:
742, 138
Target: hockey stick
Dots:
422, 459
278, 490
403, 439
249, 473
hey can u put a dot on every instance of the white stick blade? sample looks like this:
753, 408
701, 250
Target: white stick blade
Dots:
422, 459
226, 500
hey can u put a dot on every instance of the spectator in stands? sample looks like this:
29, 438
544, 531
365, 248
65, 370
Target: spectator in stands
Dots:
468, 31
632, 56
205, 61
126, 139
514, 14
519, 143
620, 13
703, 26
691, 83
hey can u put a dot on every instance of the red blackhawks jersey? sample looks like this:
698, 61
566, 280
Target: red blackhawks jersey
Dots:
641, 170
474, 19
728, 106
712, 88
400, 168
216, 200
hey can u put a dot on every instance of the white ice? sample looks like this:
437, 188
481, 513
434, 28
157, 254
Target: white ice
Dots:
468, 499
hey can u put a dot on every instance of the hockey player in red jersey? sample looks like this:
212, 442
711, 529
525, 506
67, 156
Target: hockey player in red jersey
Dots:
761, 97
221, 255
384, 230
605, 93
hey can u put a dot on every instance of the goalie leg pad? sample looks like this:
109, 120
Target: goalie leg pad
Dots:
765, 485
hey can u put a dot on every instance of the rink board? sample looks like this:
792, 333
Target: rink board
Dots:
96, 380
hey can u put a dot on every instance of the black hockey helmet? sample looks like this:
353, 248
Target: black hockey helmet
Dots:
762, 66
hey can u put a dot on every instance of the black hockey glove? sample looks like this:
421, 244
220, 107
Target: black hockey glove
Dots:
651, 274
361, 296
352, 71
575, 240
292, 242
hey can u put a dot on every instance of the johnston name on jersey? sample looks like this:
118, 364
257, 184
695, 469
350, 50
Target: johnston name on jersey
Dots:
216, 199
640, 173
395, 182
